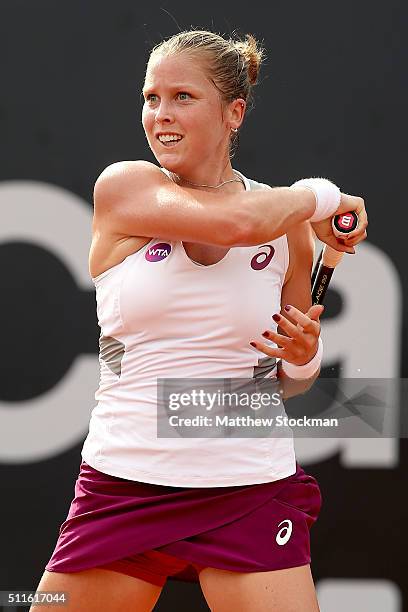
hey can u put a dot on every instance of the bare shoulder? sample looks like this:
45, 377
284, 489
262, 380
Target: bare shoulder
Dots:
126, 174
120, 169
121, 188
120, 180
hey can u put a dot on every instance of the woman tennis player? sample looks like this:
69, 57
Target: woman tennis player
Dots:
192, 263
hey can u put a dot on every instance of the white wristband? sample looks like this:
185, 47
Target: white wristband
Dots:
327, 196
306, 370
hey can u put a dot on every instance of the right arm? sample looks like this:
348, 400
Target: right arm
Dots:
135, 198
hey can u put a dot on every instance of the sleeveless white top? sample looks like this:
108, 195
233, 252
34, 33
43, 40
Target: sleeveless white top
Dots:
163, 315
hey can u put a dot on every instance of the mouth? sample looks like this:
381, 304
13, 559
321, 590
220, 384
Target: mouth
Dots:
169, 140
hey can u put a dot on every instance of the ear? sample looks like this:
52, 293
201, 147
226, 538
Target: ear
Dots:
236, 113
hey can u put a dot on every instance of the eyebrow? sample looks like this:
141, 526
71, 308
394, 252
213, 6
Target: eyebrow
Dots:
176, 87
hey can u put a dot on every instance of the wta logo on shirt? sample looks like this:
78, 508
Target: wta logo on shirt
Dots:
263, 258
158, 251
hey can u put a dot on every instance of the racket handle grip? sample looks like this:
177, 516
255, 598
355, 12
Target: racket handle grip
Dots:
321, 284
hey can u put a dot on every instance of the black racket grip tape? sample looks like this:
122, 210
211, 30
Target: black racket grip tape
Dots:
316, 267
321, 283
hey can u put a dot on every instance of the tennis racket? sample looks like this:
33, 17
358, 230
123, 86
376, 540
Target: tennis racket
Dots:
329, 258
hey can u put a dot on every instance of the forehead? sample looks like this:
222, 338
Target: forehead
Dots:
178, 69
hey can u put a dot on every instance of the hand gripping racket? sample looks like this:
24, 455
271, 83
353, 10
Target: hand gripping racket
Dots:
329, 258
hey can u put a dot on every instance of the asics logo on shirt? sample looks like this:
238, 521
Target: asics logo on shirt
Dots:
284, 533
263, 258
158, 251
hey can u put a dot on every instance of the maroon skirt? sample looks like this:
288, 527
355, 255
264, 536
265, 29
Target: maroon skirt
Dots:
249, 528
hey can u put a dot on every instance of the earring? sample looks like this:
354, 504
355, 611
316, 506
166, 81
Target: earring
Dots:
235, 130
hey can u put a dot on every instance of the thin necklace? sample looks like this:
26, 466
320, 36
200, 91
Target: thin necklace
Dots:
234, 180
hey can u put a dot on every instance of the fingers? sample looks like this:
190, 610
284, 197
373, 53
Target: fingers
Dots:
357, 204
282, 341
349, 202
301, 336
309, 324
352, 240
292, 330
315, 312
337, 245
359, 232
271, 351
348, 248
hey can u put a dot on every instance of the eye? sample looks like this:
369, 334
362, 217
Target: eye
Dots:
151, 98
183, 95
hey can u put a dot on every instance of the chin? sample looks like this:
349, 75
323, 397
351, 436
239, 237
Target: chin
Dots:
171, 162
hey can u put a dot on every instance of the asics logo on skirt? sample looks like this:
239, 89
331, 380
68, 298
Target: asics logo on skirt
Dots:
284, 533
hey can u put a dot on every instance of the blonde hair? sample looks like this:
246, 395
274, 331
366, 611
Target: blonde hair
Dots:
232, 65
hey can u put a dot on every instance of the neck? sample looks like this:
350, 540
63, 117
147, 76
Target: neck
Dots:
213, 173
234, 179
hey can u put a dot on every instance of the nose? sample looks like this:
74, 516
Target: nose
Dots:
163, 113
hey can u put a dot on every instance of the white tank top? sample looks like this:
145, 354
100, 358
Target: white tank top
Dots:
163, 315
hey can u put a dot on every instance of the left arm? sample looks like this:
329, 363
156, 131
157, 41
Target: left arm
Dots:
297, 291
299, 329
